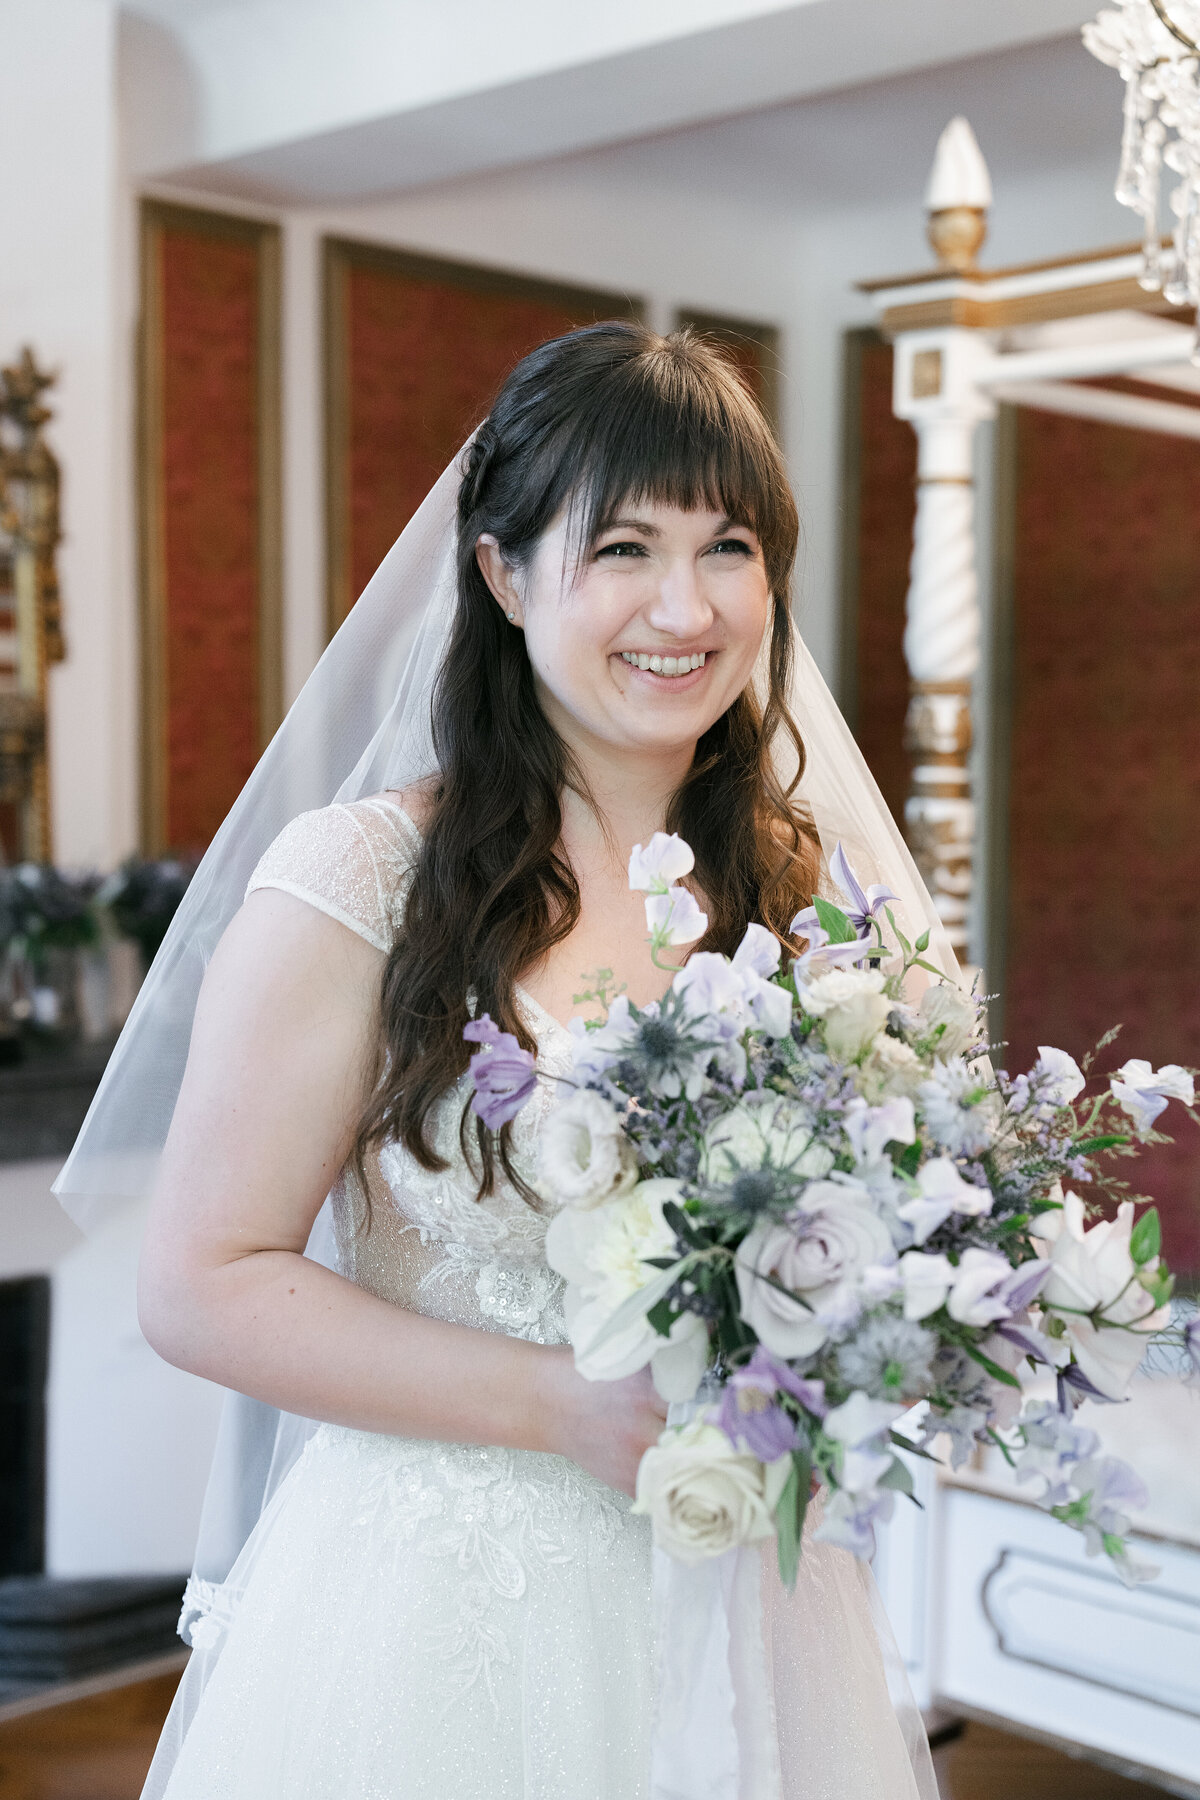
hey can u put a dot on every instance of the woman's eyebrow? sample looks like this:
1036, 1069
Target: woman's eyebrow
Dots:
642, 525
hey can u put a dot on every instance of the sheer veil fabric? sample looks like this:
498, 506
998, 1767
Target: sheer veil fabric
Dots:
362, 724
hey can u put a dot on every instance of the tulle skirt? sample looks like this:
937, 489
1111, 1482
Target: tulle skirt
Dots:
422, 1621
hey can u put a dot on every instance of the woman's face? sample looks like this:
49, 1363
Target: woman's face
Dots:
646, 644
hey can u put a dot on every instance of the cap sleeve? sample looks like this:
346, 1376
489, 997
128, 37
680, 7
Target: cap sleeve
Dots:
349, 861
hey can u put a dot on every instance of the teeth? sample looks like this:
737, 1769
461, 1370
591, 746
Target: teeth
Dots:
664, 665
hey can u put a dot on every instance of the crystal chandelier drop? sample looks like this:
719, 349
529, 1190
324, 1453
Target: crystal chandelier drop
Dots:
1155, 47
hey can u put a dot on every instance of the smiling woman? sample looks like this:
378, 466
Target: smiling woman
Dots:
449, 1592
625, 497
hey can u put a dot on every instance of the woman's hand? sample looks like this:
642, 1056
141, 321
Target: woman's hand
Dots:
604, 1426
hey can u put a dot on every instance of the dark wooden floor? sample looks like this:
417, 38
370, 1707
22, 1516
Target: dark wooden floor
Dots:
99, 1748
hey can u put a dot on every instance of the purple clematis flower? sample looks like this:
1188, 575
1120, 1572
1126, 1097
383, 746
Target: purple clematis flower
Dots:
864, 903
503, 1073
750, 1414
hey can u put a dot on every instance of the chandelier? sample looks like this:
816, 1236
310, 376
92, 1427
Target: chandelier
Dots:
1155, 47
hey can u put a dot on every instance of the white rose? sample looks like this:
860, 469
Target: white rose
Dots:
892, 1069
853, 1007
703, 1497
946, 1006
1090, 1270
756, 1133
837, 1235
584, 1156
601, 1252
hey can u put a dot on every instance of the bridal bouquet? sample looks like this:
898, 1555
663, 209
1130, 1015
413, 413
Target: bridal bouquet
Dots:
807, 1201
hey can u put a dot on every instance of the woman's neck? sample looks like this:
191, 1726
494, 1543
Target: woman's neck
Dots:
624, 799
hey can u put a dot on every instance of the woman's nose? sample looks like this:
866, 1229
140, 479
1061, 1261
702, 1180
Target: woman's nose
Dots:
679, 606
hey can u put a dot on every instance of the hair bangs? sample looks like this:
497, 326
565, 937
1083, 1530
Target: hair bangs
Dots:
673, 425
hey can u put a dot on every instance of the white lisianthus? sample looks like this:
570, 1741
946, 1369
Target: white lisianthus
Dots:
891, 1070
947, 1017
819, 1257
1091, 1271
852, 1006
703, 1497
1143, 1092
1059, 1077
755, 1134
602, 1251
584, 1156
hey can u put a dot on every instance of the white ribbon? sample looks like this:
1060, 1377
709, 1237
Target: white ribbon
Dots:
714, 1736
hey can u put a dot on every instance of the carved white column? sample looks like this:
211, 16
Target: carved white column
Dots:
936, 391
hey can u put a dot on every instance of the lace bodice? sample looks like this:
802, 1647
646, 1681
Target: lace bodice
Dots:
429, 1244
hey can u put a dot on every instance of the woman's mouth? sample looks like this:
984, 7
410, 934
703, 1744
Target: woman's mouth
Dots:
670, 666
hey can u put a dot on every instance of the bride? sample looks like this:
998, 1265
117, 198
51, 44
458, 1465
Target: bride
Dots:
447, 1596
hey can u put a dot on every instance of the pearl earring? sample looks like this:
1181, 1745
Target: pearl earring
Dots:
512, 615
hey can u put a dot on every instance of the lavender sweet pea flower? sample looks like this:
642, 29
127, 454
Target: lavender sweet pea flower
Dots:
1143, 1092
504, 1075
850, 1519
655, 866
673, 917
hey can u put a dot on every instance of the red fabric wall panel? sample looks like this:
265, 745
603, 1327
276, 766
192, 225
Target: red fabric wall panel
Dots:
425, 358
882, 524
1104, 850
210, 520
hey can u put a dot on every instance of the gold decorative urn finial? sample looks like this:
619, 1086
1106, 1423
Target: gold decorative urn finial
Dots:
957, 198
30, 612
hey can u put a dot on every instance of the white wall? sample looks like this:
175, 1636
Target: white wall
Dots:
57, 290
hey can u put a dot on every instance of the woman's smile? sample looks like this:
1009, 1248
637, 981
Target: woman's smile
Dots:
661, 671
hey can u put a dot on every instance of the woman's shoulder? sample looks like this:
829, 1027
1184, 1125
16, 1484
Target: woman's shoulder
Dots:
349, 860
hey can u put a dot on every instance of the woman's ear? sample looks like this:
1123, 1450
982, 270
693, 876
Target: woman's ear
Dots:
499, 576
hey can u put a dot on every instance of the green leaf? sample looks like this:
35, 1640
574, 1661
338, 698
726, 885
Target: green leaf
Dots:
1087, 1146
900, 937
910, 1161
993, 1368
636, 1306
790, 1514
903, 1443
898, 1476
1145, 1240
834, 920
680, 1224
662, 1316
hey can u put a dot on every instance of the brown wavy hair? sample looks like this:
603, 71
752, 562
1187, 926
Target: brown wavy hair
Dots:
603, 416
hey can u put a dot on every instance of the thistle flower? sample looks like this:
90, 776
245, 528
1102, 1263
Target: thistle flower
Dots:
889, 1357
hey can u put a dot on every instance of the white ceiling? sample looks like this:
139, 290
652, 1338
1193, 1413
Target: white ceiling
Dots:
336, 101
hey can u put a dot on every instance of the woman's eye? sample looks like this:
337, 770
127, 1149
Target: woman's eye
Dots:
621, 550
736, 544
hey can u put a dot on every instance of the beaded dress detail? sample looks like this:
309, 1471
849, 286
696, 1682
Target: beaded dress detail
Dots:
421, 1621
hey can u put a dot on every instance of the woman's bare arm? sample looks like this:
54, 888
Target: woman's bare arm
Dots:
275, 1083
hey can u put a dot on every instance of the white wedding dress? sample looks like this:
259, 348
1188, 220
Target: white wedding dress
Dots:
424, 1621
